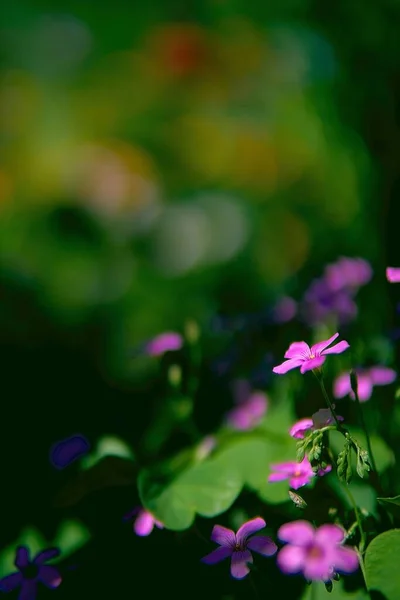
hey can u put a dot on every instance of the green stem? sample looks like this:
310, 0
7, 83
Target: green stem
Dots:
364, 427
329, 403
361, 547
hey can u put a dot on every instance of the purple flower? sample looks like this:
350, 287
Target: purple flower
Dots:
30, 573
284, 310
301, 355
66, 451
350, 273
168, 341
144, 523
393, 274
322, 418
366, 379
316, 553
238, 546
298, 473
250, 409
300, 427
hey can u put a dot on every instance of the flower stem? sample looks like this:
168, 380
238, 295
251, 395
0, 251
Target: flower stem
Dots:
364, 427
330, 405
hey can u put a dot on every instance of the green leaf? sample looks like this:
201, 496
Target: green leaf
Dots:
395, 500
207, 489
107, 446
382, 564
317, 591
71, 535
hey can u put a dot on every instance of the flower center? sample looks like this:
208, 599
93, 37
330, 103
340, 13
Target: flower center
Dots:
312, 355
238, 547
297, 473
30, 572
315, 552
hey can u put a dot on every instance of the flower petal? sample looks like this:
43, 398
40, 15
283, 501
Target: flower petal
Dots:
223, 536
393, 274
364, 388
217, 555
263, 545
9, 583
284, 467
21, 557
248, 529
165, 342
318, 569
66, 451
329, 534
298, 350
297, 430
342, 385
291, 559
273, 477
288, 365
346, 560
313, 363
46, 555
28, 590
239, 568
382, 375
144, 523
300, 533
298, 481
320, 346
49, 576
338, 348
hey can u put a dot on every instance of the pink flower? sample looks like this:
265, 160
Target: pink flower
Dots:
284, 310
250, 407
144, 523
366, 379
316, 553
393, 274
238, 546
170, 340
298, 473
322, 418
301, 355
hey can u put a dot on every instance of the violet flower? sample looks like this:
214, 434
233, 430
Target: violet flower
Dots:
301, 355
322, 418
298, 473
366, 380
237, 546
144, 523
250, 407
66, 451
316, 553
168, 341
393, 274
31, 572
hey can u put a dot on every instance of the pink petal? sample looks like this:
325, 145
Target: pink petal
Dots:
170, 340
346, 560
318, 569
320, 346
313, 363
300, 533
329, 534
223, 536
393, 274
299, 481
144, 523
298, 350
263, 545
288, 365
248, 529
324, 471
239, 568
298, 429
49, 576
364, 388
291, 559
382, 375
217, 555
274, 477
285, 467
338, 348
10, 582
342, 385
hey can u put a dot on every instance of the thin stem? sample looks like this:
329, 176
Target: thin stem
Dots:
361, 546
364, 427
329, 403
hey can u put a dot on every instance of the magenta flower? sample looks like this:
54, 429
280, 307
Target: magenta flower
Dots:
350, 273
366, 378
298, 473
301, 355
393, 274
322, 418
316, 553
168, 341
238, 546
144, 523
31, 572
250, 407
284, 310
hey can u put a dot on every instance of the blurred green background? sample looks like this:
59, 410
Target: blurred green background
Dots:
163, 163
